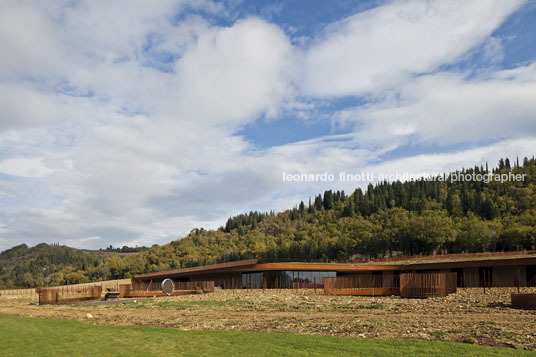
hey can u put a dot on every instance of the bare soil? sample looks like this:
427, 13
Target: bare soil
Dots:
469, 316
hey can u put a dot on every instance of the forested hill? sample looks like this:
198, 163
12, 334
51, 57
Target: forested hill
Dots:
45, 264
388, 219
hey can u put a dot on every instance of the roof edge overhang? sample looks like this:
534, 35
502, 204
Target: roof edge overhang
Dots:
253, 265
321, 267
472, 263
198, 270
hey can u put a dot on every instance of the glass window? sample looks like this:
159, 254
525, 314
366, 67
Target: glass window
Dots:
286, 279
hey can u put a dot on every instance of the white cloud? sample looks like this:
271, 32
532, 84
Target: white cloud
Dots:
62, 38
493, 49
452, 161
448, 108
230, 75
24, 167
21, 106
102, 146
129, 178
29, 40
384, 46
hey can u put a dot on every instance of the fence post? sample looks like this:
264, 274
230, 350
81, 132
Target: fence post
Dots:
518, 279
373, 285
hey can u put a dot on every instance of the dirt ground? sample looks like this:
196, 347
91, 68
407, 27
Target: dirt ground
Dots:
470, 315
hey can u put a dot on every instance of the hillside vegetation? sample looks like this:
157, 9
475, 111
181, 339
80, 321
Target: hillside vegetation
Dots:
389, 219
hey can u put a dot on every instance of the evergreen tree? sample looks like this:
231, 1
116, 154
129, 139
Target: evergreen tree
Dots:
319, 204
328, 200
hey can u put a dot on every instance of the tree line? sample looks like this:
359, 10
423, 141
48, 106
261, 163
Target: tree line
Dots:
386, 219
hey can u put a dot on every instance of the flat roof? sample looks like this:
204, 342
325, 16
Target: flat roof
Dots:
321, 267
253, 265
199, 269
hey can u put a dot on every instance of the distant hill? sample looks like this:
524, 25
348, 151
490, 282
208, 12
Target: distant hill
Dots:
52, 265
389, 219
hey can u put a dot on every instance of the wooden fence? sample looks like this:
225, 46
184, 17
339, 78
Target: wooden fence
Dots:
427, 284
141, 288
405, 285
452, 282
524, 301
108, 285
69, 294
205, 286
19, 293
367, 285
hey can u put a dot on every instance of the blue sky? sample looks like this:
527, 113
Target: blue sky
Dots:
126, 122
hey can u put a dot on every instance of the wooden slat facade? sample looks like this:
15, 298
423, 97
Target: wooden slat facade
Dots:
405, 285
140, 288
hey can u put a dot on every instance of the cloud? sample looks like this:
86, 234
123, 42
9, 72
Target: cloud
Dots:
384, 46
24, 167
118, 125
123, 159
167, 217
231, 75
449, 108
454, 160
29, 40
21, 105
493, 49
62, 38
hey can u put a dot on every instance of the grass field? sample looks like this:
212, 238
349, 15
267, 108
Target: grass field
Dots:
20, 336
470, 315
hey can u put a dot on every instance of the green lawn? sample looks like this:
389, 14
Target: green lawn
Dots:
45, 337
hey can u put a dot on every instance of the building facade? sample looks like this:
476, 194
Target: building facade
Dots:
494, 269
